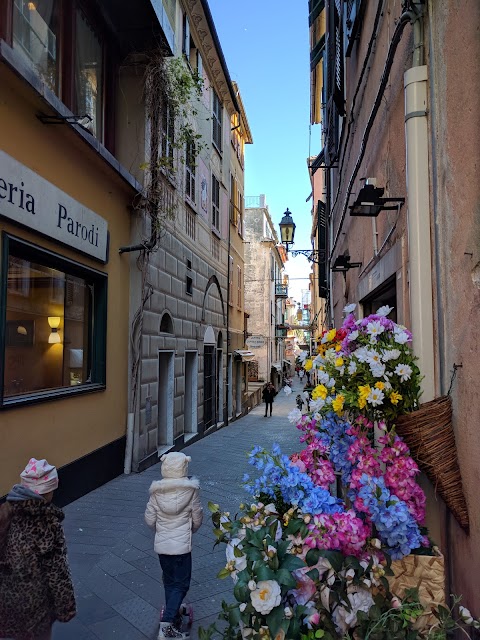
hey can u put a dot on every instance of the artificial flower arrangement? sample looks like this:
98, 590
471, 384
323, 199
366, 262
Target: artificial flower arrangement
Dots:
311, 557
367, 367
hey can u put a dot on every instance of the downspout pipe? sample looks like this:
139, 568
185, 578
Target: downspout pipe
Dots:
419, 233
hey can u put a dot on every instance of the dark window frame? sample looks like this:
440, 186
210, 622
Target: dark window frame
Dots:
190, 171
97, 321
216, 203
217, 121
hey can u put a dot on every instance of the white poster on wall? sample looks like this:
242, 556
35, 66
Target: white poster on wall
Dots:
31, 201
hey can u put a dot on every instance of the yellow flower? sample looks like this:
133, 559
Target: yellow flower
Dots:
364, 390
337, 404
331, 334
308, 365
320, 391
362, 402
380, 385
338, 347
395, 397
339, 362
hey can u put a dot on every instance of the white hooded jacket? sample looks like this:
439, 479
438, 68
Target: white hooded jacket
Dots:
174, 507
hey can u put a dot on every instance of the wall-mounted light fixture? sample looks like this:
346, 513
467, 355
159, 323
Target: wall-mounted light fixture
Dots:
54, 323
84, 121
370, 202
342, 264
287, 235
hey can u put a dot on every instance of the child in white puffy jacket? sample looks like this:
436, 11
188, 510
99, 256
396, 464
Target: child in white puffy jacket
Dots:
174, 509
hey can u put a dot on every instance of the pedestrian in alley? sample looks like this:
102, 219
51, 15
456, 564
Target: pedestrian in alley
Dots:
35, 584
301, 373
174, 509
268, 395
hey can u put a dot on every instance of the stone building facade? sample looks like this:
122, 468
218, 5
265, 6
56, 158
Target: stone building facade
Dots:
400, 92
265, 291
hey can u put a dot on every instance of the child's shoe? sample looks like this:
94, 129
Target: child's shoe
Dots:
167, 630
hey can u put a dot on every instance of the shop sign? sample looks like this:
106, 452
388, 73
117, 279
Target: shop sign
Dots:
255, 342
30, 200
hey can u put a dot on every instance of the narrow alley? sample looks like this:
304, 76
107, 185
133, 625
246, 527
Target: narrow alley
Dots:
115, 569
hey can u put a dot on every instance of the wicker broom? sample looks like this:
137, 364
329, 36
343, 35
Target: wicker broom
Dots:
428, 432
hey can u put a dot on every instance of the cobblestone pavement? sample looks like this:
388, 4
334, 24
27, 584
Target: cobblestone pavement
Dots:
115, 569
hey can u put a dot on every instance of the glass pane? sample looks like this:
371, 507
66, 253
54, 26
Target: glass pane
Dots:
35, 34
89, 75
47, 329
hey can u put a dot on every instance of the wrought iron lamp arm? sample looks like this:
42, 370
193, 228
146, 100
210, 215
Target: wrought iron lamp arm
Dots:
312, 255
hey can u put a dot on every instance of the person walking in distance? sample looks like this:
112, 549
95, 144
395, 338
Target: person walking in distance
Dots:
268, 395
174, 509
35, 584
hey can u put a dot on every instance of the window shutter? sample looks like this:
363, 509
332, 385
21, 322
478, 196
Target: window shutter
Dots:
335, 55
331, 133
353, 9
322, 250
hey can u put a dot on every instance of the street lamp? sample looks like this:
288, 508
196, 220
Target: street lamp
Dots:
342, 264
287, 234
287, 228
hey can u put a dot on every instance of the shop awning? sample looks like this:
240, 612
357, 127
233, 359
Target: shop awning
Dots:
245, 355
277, 366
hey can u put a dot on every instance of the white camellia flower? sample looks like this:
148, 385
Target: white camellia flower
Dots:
266, 596
242, 607
384, 311
465, 615
288, 613
403, 371
350, 308
241, 562
294, 416
252, 585
287, 390
359, 600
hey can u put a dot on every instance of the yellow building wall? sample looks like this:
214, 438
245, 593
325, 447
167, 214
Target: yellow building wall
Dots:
63, 430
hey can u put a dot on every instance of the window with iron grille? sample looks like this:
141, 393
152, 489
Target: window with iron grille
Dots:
190, 157
217, 121
215, 203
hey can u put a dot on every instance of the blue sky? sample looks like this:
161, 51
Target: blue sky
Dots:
266, 46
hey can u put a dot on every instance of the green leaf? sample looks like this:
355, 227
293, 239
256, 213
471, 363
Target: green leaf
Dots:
234, 616
292, 562
312, 557
238, 553
241, 592
263, 572
253, 554
313, 574
334, 557
275, 619
319, 633
285, 578
223, 573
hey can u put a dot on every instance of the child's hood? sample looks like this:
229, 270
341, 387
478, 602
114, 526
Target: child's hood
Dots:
172, 495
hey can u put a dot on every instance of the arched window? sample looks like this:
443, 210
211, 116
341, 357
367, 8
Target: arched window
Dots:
166, 323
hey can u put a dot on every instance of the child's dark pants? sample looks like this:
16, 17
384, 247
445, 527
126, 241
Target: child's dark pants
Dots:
177, 573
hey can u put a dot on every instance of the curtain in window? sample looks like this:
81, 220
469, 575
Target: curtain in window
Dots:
89, 74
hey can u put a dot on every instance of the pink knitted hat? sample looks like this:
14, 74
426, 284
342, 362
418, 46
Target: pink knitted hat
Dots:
39, 476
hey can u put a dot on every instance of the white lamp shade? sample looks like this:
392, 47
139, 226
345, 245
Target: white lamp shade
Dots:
54, 338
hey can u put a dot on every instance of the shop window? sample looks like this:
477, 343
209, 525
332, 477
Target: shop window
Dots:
35, 36
89, 74
383, 296
55, 325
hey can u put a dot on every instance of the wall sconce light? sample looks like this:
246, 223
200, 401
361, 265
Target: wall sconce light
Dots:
21, 330
83, 120
342, 264
54, 323
370, 202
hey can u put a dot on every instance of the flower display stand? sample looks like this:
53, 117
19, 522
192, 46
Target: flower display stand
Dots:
428, 432
425, 573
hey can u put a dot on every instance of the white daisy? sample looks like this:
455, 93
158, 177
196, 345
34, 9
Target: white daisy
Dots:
384, 311
374, 329
294, 416
352, 336
391, 354
316, 405
403, 371
375, 397
352, 367
350, 308
377, 369
400, 336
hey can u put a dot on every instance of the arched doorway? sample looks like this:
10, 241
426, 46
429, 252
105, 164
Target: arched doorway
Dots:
209, 379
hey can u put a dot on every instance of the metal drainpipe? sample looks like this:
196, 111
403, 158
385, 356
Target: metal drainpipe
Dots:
419, 234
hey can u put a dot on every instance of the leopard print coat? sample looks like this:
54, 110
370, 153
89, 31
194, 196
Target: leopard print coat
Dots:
35, 584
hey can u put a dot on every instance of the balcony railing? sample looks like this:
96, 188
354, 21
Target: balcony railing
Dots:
281, 290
